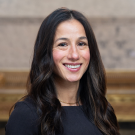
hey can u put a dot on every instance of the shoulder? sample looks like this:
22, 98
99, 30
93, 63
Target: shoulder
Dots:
23, 119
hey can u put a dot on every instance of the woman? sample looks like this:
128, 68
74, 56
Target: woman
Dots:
66, 84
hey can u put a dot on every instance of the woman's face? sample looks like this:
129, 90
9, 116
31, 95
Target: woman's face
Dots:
71, 52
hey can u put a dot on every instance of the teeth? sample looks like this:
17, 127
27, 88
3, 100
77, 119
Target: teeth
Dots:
72, 66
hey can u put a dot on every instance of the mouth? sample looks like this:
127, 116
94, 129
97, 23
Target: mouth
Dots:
73, 66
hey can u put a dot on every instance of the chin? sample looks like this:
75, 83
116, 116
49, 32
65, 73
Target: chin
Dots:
73, 79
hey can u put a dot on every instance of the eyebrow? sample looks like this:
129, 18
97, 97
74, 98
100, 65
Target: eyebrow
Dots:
68, 39
62, 39
82, 37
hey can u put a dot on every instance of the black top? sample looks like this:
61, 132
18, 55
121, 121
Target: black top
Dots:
24, 121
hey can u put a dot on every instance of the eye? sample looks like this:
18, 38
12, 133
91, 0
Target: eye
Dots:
62, 44
82, 43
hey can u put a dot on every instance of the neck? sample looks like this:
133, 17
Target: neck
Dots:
66, 92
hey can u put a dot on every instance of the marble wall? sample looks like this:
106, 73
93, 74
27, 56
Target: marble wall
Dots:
113, 23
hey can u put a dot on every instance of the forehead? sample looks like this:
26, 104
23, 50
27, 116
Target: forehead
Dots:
70, 28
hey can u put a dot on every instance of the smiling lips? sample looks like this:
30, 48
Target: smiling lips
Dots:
73, 67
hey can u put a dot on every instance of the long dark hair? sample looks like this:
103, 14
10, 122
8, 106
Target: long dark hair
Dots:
92, 87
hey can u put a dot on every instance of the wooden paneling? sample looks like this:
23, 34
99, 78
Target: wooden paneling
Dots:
124, 106
6, 102
14, 79
120, 92
1, 79
121, 80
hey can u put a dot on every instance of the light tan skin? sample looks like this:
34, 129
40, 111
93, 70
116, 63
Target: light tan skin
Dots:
70, 46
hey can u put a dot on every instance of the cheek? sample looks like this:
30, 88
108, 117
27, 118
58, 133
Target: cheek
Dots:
57, 56
86, 56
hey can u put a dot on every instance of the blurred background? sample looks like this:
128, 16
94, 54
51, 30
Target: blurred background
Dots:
113, 23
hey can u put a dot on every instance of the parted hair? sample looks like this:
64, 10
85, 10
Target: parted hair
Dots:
92, 87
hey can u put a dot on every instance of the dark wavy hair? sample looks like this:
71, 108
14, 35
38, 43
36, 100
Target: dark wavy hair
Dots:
41, 86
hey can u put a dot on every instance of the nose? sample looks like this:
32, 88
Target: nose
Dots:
73, 53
